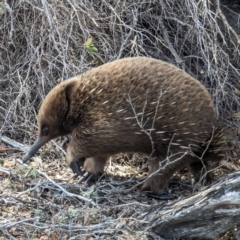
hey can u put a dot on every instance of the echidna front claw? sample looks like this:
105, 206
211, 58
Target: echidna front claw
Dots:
90, 177
75, 169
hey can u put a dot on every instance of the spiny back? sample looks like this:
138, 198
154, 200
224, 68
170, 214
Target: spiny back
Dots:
125, 98
163, 97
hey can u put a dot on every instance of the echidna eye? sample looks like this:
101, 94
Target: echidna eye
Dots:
45, 131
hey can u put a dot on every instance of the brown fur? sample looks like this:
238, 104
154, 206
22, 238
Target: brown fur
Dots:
94, 107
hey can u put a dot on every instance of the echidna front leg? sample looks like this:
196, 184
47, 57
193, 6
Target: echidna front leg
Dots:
74, 160
94, 166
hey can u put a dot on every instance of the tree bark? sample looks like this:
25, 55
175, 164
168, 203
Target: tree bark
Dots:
206, 215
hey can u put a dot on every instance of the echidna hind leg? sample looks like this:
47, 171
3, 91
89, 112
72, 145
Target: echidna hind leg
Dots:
160, 171
155, 177
200, 171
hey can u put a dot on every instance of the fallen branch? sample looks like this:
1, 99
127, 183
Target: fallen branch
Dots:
4, 170
205, 215
66, 192
23, 147
15, 144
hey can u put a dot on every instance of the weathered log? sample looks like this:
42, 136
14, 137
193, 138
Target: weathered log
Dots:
14, 143
206, 215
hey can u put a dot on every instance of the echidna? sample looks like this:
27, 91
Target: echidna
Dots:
133, 105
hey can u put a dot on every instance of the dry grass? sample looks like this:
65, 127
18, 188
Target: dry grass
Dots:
43, 43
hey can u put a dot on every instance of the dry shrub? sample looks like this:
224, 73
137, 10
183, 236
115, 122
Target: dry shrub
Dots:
42, 41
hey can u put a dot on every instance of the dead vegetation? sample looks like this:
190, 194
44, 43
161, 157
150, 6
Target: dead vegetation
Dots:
45, 42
